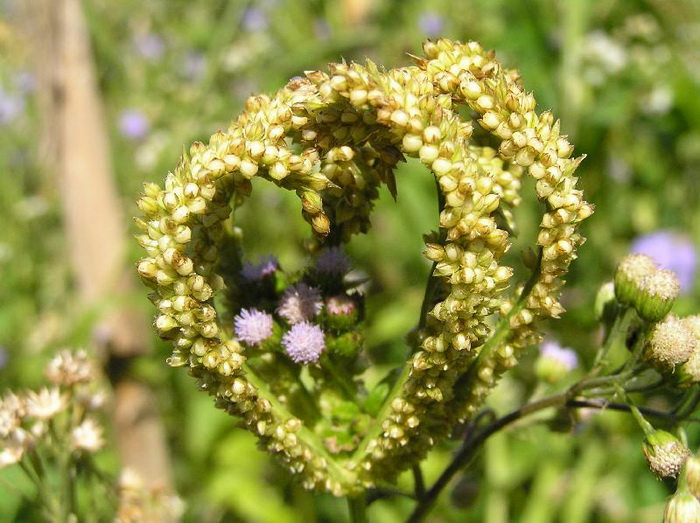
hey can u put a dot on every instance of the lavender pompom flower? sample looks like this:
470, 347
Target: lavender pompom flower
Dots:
266, 266
304, 343
555, 362
252, 326
300, 303
133, 124
150, 46
333, 261
672, 251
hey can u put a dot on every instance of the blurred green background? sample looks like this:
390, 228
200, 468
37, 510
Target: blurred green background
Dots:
623, 76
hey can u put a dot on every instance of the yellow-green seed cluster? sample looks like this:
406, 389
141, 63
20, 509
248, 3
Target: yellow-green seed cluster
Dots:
334, 138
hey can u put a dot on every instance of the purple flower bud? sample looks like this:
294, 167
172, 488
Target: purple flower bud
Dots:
300, 303
133, 124
431, 23
304, 343
266, 266
564, 356
195, 65
150, 46
252, 326
254, 20
11, 106
333, 261
672, 251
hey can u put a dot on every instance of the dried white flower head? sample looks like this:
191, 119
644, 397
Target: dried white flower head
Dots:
683, 507
300, 302
657, 292
45, 404
631, 270
12, 410
12, 448
70, 368
87, 436
665, 454
672, 342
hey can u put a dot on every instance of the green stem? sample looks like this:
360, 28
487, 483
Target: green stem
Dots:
418, 482
617, 332
357, 507
341, 379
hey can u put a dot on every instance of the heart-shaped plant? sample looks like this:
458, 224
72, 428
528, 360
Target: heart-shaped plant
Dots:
284, 352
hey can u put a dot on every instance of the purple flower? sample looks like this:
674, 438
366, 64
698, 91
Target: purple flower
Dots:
300, 303
565, 357
133, 124
150, 46
333, 261
254, 20
266, 266
4, 357
670, 250
304, 343
25, 81
11, 106
195, 65
321, 29
431, 23
252, 326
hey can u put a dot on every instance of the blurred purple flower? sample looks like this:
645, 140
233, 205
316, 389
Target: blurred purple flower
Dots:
321, 29
431, 23
266, 266
670, 250
11, 106
133, 124
254, 20
252, 326
567, 357
333, 261
195, 65
150, 46
25, 81
304, 343
4, 357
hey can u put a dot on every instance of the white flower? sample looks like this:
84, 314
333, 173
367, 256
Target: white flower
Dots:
87, 436
45, 404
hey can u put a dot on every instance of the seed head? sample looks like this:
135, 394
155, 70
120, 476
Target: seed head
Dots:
665, 454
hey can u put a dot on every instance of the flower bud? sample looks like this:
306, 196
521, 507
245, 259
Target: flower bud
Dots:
683, 507
555, 362
665, 454
672, 342
692, 475
657, 292
630, 272
604, 301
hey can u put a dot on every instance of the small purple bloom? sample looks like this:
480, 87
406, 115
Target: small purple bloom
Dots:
133, 124
266, 266
150, 46
567, 357
304, 343
670, 250
4, 357
333, 261
300, 303
431, 23
11, 106
254, 20
252, 326
25, 81
321, 29
195, 65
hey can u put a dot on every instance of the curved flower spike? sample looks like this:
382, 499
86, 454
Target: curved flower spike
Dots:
353, 124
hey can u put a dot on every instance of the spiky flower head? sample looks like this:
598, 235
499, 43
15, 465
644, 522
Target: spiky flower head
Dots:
304, 343
87, 436
333, 261
555, 362
252, 326
657, 292
683, 507
300, 302
70, 368
665, 454
672, 343
629, 274
266, 266
12, 410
